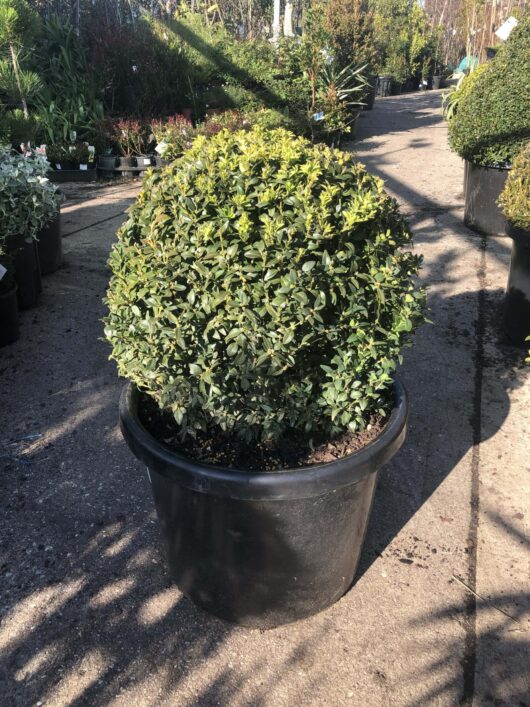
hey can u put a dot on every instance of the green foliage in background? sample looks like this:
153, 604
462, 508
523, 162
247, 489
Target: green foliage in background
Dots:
493, 118
261, 285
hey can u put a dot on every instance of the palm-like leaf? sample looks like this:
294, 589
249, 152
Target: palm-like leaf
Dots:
349, 83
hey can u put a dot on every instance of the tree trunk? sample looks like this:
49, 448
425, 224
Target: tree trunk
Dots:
288, 19
276, 22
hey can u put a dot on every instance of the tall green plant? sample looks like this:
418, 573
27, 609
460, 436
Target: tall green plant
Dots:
18, 25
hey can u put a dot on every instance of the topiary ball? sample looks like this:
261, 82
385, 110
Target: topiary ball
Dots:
260, 286
493, 117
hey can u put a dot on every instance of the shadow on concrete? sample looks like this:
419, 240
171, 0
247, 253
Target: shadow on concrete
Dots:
502, 645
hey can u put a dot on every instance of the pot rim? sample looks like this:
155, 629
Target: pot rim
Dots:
299, 482
489, 166
518, 234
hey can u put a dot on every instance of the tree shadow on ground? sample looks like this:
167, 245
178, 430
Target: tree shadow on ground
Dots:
502, 643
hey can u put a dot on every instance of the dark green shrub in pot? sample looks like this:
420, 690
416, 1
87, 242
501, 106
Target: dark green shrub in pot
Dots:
491, 124
282, 282
493, 118
261, 295
515, 202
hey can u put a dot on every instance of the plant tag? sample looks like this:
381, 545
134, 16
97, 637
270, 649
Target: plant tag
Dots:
506, 28
2, 271
318, 116
57, 166
146, 160
83, 167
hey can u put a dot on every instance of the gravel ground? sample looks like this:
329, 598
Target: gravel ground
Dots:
440, 611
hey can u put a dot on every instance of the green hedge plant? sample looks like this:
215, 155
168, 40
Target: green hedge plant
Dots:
515, 198
493, 117
261, 285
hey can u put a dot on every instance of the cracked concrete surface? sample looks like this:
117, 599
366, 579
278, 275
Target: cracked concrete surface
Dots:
440, 611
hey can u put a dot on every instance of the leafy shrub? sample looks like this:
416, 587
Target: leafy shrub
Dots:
172, 135
28, 200
16, 128
515, 198
260, 284
493, 119
131, 136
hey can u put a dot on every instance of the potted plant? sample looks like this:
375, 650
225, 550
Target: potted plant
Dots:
59, 156
131, 140
171, 137
260, 297
515, 203
9, 331
28, 201
490, 126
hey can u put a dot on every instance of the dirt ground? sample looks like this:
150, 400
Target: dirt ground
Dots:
440, 612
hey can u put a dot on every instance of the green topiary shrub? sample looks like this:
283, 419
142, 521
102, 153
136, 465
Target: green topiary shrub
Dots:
493, 117
260, 285
515, 198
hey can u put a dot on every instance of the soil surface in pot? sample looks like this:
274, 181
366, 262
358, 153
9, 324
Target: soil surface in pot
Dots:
222, 449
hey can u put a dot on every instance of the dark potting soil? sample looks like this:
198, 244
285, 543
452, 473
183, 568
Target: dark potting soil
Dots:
222, 449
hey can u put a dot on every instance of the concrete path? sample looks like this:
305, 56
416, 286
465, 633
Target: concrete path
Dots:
440, 612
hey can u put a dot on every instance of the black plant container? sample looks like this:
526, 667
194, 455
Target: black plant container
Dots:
27, 272
516, 316
437, 82
369, 99
143, 162
49, 246
482, 188
384, 85
263, 548
107, 166
9, 331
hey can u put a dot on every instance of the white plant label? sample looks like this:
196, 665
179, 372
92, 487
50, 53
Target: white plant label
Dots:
147, 160
506, 28
57, 166
2, 271
83, 167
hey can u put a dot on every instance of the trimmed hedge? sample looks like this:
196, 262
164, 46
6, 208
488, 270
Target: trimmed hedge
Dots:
493, 117
260, 285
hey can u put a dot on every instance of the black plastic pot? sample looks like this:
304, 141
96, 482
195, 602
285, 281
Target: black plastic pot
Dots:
436, 82
369, 99
72, 175
143, 162
384, 85
49, 246
107, 162
482, 188
516, 316
27, 272
9, 331
263, 548
160, 161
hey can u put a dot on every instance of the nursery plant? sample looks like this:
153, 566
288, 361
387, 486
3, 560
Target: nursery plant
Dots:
515, 198
18, 25
493, 121
28, 200
515, 202
262, 291
172, 135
